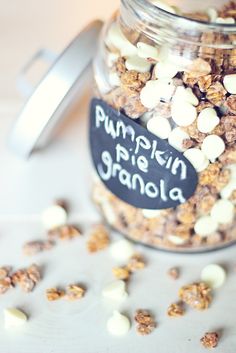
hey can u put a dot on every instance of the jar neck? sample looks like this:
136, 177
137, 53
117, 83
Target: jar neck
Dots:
140, 17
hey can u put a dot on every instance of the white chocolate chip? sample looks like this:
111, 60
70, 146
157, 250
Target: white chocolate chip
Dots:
212, 14
138, 64
118, 324
159, 126
197, 158
176, 240
183, 113
207, 120
230, 83
151, 213
122, 250
14, 317
150, 95
183, 94
115, 290
176, 138
54, 216
227, 20
162, 5
223, 212
147, 51
116, 38
165, 70
114, 79
214, 275
205, 226
213, 146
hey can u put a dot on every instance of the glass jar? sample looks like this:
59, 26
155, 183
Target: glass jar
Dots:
176, 77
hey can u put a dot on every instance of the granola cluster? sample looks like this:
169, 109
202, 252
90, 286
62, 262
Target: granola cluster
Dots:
145, 322
207, 83
72, 292
210, 340
98, 239
196, 295
175, 310
26, 279
135, 263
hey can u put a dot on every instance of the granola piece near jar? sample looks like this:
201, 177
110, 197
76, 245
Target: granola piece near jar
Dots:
53, 294
216, 94
66, 232
98, 239
145, 322
173, 272
210, 340
27, 278
197, 295
175, 310
204, 82
136, 263
5, 271
74, 292
122, 273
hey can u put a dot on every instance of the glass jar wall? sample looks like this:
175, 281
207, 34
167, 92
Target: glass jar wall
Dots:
175, 74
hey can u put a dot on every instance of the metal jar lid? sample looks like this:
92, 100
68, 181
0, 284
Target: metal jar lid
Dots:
54, 93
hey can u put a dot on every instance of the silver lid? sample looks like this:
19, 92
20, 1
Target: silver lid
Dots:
54, 93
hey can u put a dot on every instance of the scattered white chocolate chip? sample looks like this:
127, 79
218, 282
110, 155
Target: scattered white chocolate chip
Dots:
14, 317
230, 83
150, 95
165, 70
227, 20
205, 226
197, 158
118, 324
176, 240
213, 146
183, 94
54, 216
116, 38
183, 113
176, 139
207, 120
138, 64
151, 213
212, 14
147, 51
223, 211
122, 250
163, 5
114, 79
159, 126
115, 290
214, 275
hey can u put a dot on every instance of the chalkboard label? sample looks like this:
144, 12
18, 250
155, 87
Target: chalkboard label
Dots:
135, 165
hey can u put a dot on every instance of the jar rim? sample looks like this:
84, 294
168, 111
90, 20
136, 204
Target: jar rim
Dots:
187, 20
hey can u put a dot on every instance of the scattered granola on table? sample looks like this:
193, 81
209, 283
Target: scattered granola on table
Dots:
74, 292
27, 278
54, 294
136, 263
174, 273
37, 246
145, 322
196, 295
175, 310
65, 232
122, 273
98, 239
210, 340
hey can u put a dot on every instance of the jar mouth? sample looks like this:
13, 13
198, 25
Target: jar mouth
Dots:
156, 11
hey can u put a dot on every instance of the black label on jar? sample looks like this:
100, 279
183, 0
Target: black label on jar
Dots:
135, 165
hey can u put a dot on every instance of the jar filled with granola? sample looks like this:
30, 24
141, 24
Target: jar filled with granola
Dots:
163, 123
